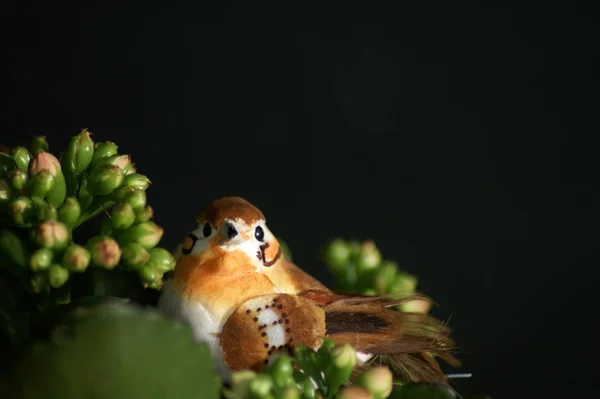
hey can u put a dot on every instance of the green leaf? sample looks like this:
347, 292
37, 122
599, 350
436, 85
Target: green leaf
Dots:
14, 247
14, 320
117, 351
14, 254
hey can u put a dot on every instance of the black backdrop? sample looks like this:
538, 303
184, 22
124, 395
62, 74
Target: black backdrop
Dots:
459, 139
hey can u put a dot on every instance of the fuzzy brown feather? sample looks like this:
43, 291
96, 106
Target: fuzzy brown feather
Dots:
407, 342
229, 208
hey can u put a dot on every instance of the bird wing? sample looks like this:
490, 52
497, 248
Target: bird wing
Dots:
291, 279
304, 280
268, 325
408, 342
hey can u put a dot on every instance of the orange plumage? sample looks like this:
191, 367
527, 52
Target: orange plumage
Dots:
235, 288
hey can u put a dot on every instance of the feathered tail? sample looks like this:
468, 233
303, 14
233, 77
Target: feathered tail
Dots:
408, 343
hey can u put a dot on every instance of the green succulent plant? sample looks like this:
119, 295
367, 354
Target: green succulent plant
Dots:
43, 201
116, 351
76, 317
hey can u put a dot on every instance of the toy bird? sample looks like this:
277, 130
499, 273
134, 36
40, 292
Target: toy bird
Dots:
239, 294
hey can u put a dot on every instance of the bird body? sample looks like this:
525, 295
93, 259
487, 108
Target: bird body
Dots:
240, 295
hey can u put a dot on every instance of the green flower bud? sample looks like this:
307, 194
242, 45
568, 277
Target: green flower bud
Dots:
354, 392
105, 179
51, 234
51, 212
137, 199
19, 179
122, 162
369, 258
5, 194
132, 169
76, 258
282, 371
378, 381
79, 153
121, 193
122, 216
45, 161
144, 214
39, 282
260, 387
306, 359
5, 191
355, 247
161, 259
240, 382
136, 181
40, 184
405, 284
239, 377
290, 392
7, 165
41, 259
102, 151
57, 276
324, 352
339, 370
38, 143
85, 196
385, 276
69, 212
105, 251
147, 234
134, 255
337, 254
21, 210
308, 390
22, 156
416, 306
57, 194
42, 209
151, 277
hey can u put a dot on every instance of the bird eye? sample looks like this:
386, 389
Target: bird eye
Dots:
206, 230
259, 233
231, 231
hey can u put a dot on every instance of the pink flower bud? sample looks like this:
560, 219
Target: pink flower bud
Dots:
43, 160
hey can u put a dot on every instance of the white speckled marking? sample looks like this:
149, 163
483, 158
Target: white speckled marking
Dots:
275, 333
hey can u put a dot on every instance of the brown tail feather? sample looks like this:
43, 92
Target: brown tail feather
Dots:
408, 343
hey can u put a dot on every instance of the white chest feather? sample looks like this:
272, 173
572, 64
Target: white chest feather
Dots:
204, 326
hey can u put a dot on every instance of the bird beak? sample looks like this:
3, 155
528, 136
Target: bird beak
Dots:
269, 254
188, 243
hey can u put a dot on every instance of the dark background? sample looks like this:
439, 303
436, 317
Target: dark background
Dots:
459, 139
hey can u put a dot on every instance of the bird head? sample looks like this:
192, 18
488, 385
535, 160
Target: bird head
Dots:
232, 225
